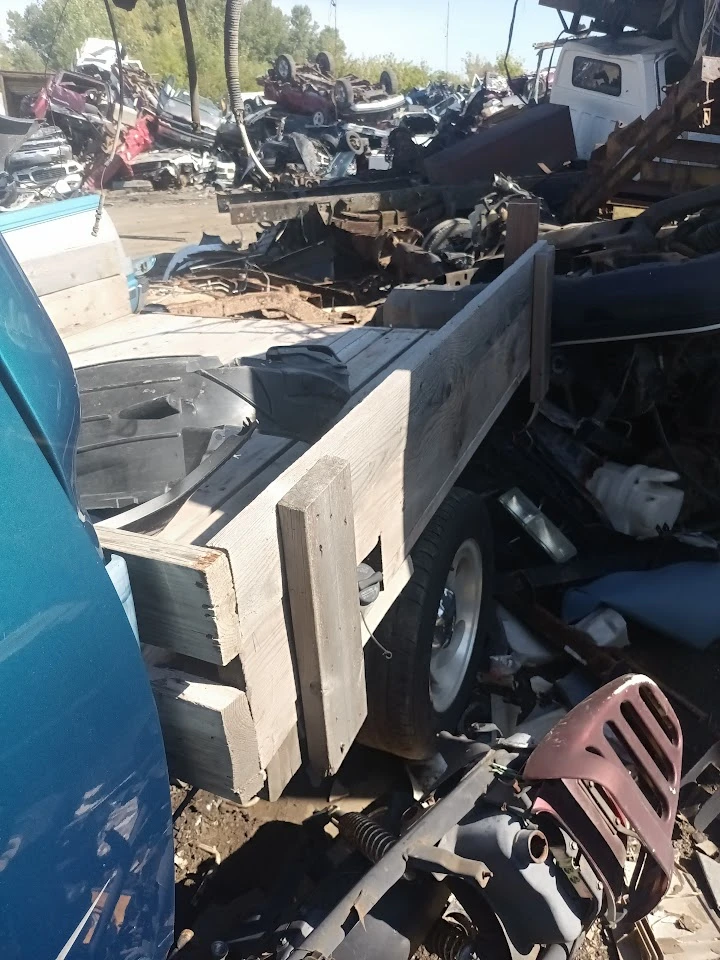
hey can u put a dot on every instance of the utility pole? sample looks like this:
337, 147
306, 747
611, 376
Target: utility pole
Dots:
333, 5
447, 40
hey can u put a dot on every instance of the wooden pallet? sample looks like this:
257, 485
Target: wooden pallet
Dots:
246, 588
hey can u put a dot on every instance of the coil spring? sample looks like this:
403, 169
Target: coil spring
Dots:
449, 941
372, 840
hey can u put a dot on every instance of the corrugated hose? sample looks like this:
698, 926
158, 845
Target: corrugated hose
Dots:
232, 75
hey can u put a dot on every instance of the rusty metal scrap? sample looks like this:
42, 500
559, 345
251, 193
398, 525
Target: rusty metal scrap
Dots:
246, 304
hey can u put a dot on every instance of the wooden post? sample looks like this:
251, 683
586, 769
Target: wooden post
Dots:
541, 341
523, 225
318, 545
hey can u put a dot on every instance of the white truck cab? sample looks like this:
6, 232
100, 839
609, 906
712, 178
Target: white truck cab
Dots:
611, 81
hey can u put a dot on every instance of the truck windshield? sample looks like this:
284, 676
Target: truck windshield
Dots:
600, 76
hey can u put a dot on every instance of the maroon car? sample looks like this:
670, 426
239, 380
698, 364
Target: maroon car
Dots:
312, 89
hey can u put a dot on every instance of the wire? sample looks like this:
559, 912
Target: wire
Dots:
118, 127
384, 650
51, 48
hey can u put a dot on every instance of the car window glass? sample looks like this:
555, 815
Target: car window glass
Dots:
600, 76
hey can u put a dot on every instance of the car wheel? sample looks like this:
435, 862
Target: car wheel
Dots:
436, 632
325, 62
355, 142
318, 119
454, 234
344, 93
285, 68
389, 82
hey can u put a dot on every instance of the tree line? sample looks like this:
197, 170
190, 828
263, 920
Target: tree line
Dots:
46, 36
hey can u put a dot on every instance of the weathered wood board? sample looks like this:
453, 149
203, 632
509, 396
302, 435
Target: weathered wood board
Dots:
89, 305
318, 544
407, 441
208, 734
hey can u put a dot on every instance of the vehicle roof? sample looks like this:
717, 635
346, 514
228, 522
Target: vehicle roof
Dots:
628, 44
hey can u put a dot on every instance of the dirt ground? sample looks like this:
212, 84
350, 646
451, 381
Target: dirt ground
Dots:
162, 222
230, 858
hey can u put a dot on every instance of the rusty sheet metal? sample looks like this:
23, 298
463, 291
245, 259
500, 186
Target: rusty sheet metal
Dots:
515, 147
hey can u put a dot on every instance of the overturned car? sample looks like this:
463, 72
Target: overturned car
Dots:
313, 89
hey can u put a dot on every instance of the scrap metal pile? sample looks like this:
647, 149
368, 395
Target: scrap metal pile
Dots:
308, 127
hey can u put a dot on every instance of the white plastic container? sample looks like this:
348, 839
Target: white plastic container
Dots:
607, 627
637, 500
118, 572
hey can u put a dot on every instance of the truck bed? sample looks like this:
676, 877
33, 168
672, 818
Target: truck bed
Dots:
212, 587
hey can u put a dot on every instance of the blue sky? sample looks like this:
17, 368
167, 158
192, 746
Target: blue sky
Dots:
415, 29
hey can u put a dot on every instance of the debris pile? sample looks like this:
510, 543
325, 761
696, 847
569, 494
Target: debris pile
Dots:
310, 125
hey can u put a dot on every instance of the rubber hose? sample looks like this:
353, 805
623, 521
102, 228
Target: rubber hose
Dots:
191, 63
233, 9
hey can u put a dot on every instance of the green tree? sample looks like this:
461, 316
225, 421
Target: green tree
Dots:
477, 65
409, 74
329, 39
48, 33
303, 34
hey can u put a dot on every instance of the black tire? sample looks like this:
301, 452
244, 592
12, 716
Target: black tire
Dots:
285, 68
389, 82
331, 141
448, 232
401, 717
687, 28
326, 63
344, 93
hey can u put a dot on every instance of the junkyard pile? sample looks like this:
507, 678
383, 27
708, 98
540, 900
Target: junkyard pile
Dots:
308, 126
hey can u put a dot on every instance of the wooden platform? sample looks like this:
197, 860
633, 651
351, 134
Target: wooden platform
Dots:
237, 588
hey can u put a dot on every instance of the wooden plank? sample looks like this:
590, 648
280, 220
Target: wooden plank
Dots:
523, 224
272, 693
74, 268
407, 441
88, 306
197, 514
160, 335
318, 544
230, 490
284, 765
541, 342
208, 733
184, 596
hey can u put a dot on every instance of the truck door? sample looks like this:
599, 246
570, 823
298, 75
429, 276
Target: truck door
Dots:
601, 94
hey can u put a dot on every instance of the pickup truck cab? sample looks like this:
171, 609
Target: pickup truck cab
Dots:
607, 81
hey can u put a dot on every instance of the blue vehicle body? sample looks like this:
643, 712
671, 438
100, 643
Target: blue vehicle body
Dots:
86, 861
